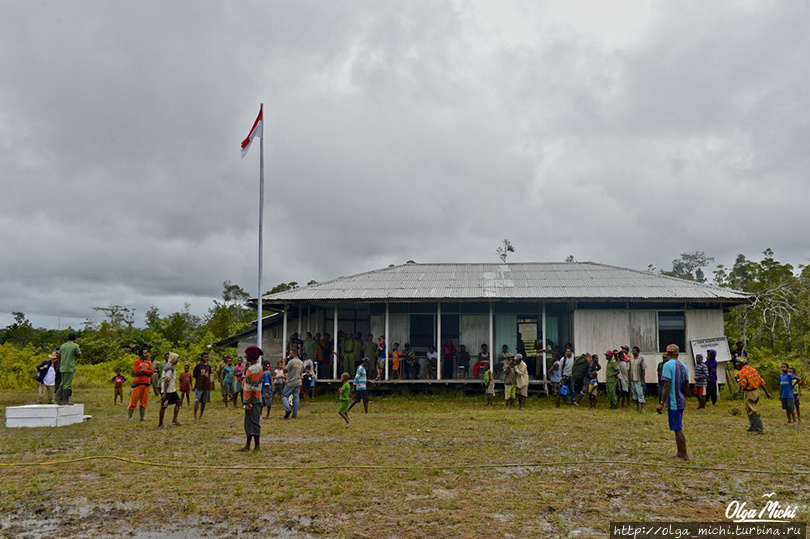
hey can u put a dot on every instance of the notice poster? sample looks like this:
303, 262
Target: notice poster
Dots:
720, 344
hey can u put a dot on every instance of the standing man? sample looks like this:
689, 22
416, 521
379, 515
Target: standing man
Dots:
638, 379
348, 352
202, 385
522, 382
141, 381
168, 390
624, 376
611, 378
750, 384
68, 354
675, 376
448, 358
579, 371
292, 389
227, 378
156, 371
711, 365
701, 380
567, 363
310, 347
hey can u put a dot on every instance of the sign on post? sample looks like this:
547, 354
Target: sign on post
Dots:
719, 344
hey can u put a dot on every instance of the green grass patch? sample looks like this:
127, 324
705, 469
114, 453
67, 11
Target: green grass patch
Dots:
422, 466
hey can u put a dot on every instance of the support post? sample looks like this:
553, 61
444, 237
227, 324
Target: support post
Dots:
284, 336
335, 355
545, 338
491, 340
387, 337
300, 337
439, 356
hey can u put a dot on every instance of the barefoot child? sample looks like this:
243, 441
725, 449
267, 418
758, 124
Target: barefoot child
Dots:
797, 393
593, 390
118, 383
395, 355
343, 396
306, 382
185, 386
267, 388
489, 384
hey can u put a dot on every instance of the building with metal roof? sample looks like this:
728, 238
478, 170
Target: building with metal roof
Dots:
528, 307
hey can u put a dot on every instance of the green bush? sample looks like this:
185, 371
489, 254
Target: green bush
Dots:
18, 366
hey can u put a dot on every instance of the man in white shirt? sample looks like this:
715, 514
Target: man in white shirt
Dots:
47, 378
567, 362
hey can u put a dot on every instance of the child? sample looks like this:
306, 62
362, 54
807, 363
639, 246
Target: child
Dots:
381, 357
788, 402
701, 380
309, 363
239, 377
279, 379
395, 355
118, 383
554, 376
489, 384
267, 388
797, 393
307, 383
185, 386
343, 396
593, 390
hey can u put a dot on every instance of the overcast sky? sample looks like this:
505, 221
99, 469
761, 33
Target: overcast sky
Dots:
618, 132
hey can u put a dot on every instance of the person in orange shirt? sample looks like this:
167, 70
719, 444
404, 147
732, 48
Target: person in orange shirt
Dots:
750, 384
395, 355
252, 396
142, 371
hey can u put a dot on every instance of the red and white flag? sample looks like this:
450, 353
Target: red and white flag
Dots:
256, 131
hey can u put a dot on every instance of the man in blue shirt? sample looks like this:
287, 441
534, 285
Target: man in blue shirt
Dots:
675, 377
787, 393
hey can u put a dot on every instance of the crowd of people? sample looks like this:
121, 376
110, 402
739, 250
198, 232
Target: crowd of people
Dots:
254, 384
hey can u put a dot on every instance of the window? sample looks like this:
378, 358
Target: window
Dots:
671, 330
423, 330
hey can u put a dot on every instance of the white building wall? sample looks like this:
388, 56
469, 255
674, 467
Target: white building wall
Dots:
475, 332
703, 324
598, 330
377, 325
400, 327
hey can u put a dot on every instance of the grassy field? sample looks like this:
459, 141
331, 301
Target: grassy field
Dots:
441, 465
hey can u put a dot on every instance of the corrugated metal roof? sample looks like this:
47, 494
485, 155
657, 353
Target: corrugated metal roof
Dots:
520, 281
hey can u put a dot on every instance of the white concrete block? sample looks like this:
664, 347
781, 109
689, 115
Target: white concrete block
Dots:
44, 415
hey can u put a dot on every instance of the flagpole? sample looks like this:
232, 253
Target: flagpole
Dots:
261, 223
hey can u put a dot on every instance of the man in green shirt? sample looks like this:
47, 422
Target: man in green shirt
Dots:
68, 353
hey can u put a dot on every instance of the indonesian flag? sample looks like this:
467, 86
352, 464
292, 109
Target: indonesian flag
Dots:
256, 131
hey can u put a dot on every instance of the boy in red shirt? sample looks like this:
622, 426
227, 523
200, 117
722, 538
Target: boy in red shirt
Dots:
185, 386
118, 383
